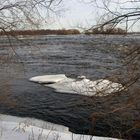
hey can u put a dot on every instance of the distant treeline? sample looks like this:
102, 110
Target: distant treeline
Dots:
106, 30
41, 32
99, 30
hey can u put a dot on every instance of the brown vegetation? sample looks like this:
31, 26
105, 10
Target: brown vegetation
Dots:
6, 98
118, 115
41, 32
106, 30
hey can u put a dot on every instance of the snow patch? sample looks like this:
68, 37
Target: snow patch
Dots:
34, 122
24, 131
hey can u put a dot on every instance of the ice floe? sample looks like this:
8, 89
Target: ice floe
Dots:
80, 85
45, 79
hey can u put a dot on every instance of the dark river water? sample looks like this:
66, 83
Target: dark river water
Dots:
93, 56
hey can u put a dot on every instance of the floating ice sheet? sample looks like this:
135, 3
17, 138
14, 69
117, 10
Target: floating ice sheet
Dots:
83, 86
45, 79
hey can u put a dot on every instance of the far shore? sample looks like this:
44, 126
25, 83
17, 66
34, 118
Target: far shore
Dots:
59, 32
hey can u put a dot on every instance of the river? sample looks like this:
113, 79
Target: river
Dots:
95, 57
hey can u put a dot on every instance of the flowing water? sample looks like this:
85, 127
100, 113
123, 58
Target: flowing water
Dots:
93, 56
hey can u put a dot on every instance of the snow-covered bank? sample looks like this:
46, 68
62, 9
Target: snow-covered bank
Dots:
81, 85
33, 122
17, 129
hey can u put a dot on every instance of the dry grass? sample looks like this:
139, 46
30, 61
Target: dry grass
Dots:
117, 115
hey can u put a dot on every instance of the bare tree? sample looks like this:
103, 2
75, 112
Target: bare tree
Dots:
24, 15
20, 14
117, 12
119, 113
29, 13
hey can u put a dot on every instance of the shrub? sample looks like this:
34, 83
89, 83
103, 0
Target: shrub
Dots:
106, 30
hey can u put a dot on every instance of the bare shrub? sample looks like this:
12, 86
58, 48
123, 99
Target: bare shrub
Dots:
117, 114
